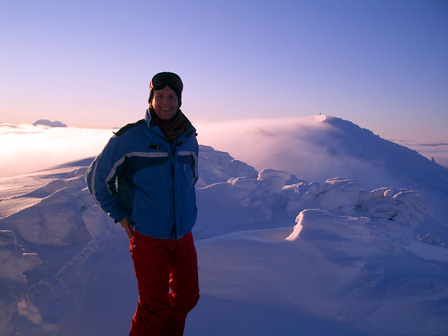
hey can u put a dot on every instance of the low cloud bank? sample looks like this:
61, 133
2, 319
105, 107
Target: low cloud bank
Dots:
26, 148
308, 147
283, 144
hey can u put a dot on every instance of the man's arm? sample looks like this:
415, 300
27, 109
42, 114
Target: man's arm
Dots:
101, 176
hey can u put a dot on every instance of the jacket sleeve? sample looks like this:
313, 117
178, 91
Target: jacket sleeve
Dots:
196, 163
101, 178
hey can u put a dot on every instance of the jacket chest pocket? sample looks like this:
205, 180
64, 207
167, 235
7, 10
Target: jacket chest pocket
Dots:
147, 166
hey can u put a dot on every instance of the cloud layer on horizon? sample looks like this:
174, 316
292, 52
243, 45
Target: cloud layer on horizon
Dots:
27, 148
284, 144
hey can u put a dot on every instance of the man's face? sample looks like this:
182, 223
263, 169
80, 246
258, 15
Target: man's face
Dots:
165, 103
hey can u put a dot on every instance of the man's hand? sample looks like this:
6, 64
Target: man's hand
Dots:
127, 227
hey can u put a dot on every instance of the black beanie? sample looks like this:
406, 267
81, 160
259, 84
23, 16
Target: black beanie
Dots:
170, 79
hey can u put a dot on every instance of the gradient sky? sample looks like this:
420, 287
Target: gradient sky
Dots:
380, 64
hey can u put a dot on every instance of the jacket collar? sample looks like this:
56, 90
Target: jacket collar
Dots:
189, 129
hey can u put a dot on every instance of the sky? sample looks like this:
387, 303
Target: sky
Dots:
380, 64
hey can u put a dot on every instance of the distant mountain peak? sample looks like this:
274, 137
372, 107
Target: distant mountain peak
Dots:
46, 122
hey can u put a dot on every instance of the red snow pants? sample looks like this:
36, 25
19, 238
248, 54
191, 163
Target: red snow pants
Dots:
167, 279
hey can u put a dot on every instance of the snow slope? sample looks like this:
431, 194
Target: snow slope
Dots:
321, 147
360, 254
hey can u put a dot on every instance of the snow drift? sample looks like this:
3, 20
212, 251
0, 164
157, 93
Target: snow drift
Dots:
278, 253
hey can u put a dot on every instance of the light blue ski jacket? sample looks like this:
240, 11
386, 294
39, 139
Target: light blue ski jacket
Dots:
144, 178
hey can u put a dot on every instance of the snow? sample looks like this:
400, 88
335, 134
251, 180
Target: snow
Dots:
435, 151
359, 253
428, 252
13, 261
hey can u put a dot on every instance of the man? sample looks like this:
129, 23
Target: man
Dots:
144, 179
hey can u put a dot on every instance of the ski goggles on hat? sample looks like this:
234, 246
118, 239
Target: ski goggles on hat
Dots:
163, 79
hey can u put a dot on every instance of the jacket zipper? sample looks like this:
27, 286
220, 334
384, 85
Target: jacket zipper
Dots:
173, 230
